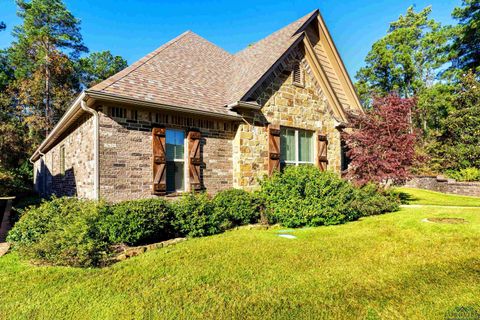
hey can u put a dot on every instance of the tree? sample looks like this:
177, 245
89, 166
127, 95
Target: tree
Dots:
467, 38
457, 147
48, 37
381, 145
99, 66
406, 59
3, 26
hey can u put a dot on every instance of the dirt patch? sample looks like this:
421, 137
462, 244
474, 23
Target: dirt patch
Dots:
446, 220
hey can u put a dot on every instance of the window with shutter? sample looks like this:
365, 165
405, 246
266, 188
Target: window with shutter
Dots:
322, 149
194, 160
297, 147
175, 142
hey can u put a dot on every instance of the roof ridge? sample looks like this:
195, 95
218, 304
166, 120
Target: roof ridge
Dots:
309, 15
140, 63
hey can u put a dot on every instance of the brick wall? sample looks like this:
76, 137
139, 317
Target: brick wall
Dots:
77, 176
441, 184
286, 104
126, 151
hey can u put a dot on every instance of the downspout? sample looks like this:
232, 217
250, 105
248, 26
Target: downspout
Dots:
96, 143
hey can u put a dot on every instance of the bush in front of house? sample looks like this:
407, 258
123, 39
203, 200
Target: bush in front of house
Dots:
195, 216
371, 199
63, 231
138, 222
237, 207
305, 196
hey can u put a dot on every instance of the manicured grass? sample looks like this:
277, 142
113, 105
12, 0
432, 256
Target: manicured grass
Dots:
420, 196
392, 266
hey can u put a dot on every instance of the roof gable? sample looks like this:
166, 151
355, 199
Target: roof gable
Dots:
191, 72
188, 71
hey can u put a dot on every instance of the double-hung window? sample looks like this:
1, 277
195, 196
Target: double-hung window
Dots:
175, 143
296, 147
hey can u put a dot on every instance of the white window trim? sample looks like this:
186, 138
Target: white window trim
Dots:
297, 151
184, 160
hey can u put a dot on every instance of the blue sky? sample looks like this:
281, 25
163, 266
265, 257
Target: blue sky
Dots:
132, 29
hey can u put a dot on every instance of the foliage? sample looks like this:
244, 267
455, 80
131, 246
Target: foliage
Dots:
457, 147
138, 222
371, 200
99, 66
381, 146
2, 26
466, 40
467, 174
405, 60
195, 216
238, 207
305, 196
63, 231
14, 182
45, 77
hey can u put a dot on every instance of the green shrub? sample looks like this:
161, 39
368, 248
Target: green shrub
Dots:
138, 222
305, 196
468, 174
63, 231
195, 216
237, 207
373, 200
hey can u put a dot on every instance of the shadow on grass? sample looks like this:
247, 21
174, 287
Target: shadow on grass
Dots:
406, 198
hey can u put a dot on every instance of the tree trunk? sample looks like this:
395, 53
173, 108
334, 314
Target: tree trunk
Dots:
48, 115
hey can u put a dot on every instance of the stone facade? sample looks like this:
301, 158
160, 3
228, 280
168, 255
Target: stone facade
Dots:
441, 184
70, 174
126, 151
286, 104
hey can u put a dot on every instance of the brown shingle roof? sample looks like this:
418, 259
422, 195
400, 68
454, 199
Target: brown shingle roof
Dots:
192, 72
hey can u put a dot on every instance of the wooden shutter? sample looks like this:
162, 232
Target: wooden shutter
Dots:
194, 160
322, 147
273, 148
159, 162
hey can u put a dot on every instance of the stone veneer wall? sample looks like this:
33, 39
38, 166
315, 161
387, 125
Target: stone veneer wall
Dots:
287, 104
126, 152
79, 164
445, 185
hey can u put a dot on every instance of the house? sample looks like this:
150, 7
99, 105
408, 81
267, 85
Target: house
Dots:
191, 116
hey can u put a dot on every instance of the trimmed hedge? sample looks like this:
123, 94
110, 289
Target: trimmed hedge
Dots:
138, 222
73, 232
305, 196
63, 231
237, 207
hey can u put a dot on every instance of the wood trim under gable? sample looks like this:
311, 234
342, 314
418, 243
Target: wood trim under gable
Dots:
338, 65
322, 79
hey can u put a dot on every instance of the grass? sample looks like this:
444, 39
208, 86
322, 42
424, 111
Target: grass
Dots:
426, 197
392, 266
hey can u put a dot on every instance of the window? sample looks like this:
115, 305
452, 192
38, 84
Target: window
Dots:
297, 74
62, 160
296, 147
118, 112
175, 141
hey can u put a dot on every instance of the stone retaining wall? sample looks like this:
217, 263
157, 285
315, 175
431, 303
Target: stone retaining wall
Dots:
444, 185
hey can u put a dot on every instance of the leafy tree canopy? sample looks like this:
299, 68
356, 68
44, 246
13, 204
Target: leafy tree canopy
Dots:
381, 146
467, 40
405, 60
99, 66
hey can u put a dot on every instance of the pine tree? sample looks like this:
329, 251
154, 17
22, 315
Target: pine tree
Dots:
46, 42
467, 40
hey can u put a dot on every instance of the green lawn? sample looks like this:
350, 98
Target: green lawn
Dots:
426, 197
392, 266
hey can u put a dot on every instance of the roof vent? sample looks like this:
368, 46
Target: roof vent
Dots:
297, 74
